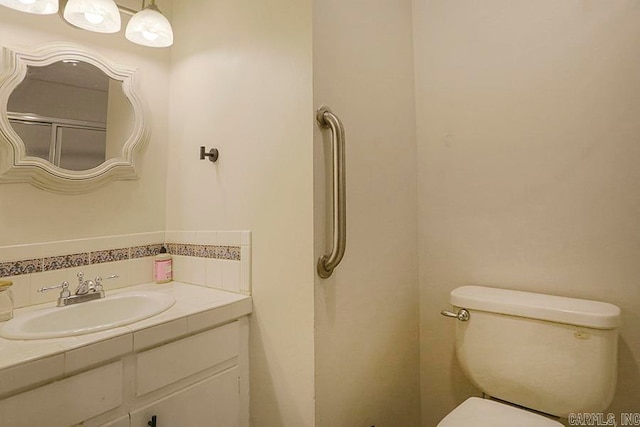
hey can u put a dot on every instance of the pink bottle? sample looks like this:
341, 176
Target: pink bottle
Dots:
162, 267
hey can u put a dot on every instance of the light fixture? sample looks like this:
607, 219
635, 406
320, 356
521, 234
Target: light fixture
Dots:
101, 16
149, 27
38, 7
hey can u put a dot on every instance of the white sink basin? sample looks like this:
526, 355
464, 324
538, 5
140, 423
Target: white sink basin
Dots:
87, 317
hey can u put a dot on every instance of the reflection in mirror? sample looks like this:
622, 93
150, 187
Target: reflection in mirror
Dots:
71, 114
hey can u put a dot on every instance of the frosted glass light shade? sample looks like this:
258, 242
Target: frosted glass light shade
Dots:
38, 7
149, 28
101, 16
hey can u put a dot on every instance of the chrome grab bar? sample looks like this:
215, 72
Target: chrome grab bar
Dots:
327, 262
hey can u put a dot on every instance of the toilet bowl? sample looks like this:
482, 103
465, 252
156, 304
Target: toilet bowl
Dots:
525, 349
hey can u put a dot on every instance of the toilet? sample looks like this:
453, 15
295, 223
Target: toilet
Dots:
536, 356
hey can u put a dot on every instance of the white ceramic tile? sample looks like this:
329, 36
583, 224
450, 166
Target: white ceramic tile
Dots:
139, 270
80, 341
106, 242
181, 269
182, 236
230, 275
208, 319
205, 238
245, 238
229, 238
241, 308
198, 296
16, 352
171, 236
96, 353
21, 290
245, 269
31, 373
64, 247
20, 252
198, 268
213, 273
159, 334
141, 239
47, 279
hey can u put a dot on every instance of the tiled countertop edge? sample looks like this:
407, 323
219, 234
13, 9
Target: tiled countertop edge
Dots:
25, 364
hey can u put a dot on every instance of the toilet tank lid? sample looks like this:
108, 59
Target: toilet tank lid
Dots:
573, 311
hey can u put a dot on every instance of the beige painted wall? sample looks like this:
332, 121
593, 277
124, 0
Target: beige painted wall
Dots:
30, 215
366, 341
528, 150
241, 82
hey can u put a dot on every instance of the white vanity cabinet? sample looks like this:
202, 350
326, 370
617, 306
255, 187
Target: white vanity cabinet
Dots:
212, 402
189, 369
66, 402
199, 380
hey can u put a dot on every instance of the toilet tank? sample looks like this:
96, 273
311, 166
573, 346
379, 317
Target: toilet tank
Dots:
552, 354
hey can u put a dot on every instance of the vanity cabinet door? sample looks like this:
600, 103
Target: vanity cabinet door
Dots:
212, 402
169, 363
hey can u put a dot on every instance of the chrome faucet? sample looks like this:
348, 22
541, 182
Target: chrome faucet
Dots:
87, 290
84, 286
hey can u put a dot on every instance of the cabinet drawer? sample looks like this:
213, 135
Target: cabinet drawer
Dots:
172, 362
66, 402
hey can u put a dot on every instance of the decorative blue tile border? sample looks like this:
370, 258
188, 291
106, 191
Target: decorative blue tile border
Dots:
17, 268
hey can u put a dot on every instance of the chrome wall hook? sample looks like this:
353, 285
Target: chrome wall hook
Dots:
212, 154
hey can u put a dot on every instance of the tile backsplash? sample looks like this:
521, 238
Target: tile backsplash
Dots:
218, 259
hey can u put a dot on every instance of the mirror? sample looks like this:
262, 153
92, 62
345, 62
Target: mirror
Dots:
70, 120
70, 114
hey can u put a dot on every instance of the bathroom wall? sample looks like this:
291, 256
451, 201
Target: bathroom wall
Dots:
37, 225
241, 82
528, 176
31, 215
366, 313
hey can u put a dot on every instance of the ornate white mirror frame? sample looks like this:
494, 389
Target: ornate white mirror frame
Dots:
17, 166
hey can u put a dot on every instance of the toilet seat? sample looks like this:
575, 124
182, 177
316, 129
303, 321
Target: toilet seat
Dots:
479, 412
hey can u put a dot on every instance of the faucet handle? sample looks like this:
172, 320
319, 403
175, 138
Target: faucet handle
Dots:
98, 282
65, 292
64, 285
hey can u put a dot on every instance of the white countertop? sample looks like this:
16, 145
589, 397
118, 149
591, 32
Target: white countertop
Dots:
196, 308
